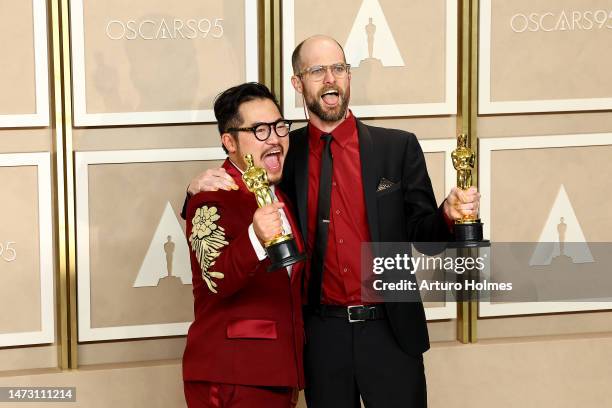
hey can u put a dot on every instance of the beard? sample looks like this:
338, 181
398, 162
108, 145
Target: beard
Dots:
315, 105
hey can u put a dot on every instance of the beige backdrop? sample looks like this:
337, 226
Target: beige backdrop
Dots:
20, 279
126, 201
17, 79
165, 73
525, 183
524, 186
569, 62
421, 80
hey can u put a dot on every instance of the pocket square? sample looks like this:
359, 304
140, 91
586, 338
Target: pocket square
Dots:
384, 184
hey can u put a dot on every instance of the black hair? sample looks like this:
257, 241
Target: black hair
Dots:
227, 104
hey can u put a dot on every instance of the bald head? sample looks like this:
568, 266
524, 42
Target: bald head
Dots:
310, 45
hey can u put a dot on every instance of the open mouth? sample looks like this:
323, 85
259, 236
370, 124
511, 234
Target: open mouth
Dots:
272, 158
331, 97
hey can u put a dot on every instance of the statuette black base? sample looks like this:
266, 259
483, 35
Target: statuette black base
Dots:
469, 234
283, 254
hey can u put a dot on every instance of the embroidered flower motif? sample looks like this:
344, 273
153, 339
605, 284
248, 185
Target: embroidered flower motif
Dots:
207, 239
204, 221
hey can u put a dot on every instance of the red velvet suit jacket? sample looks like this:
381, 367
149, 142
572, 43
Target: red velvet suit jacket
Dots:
248, 326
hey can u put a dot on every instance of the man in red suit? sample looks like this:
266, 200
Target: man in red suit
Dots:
244, 348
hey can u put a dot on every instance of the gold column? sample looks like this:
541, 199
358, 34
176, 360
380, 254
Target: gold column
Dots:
59, 190
472, 131
265, 42
270, 45
463, 74
466, 124
65, 180
276, 44
463, 127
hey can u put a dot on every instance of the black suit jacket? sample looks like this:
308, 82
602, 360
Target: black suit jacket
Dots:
404, 212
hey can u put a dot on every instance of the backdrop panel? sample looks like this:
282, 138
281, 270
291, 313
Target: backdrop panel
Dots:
142, 62
134, 273
24, 100
531, 186
394, 72
26, 250
545, 55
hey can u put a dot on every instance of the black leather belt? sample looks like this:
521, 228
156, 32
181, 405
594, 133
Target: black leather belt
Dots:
358, 313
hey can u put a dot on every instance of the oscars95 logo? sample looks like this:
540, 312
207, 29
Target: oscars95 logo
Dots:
8, 253
165, 29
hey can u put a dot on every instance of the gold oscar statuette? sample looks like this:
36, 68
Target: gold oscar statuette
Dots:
468, 228
282, 250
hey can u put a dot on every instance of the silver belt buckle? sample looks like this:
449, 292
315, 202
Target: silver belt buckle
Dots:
348, 311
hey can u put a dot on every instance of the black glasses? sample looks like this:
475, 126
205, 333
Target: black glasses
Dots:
262, 131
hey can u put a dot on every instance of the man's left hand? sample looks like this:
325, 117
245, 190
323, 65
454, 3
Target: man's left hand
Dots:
460, 203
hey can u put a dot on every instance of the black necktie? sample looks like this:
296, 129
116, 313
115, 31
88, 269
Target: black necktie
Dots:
323, 206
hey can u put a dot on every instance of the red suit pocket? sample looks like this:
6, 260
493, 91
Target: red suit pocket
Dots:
252, 329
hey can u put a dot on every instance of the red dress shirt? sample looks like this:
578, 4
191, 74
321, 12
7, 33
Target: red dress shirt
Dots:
348, 226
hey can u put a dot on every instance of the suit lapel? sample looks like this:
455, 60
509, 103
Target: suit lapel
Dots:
369, 176
299, 144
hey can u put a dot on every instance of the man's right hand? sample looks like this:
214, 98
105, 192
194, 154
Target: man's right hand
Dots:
267, 222
211, 180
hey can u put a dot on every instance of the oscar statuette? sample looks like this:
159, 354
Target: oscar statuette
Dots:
468, 229
282, 250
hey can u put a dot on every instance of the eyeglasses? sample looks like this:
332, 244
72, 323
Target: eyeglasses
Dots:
262, 131
317, 72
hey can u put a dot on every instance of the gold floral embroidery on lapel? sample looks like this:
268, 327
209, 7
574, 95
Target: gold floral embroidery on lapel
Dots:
207, 239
